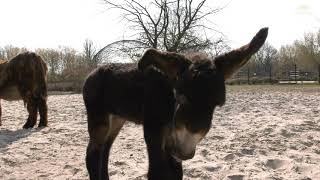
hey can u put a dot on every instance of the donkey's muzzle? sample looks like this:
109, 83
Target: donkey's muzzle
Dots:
183, 155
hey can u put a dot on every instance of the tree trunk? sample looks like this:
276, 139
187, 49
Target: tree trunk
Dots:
270, 75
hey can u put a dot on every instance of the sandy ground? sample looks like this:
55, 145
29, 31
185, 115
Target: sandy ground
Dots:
262, 132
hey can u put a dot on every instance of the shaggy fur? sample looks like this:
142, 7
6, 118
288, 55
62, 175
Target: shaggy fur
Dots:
172, 95
24, 78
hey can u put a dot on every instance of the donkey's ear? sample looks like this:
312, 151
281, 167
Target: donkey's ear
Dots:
168, 62
230, 62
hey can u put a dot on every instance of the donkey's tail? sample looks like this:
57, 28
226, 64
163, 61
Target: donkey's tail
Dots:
41, 76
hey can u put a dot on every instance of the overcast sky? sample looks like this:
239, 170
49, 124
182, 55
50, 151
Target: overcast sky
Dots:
50, 23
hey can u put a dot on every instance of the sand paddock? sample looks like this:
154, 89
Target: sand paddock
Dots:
262, 132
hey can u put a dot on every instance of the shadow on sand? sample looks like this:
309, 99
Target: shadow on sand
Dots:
7, 137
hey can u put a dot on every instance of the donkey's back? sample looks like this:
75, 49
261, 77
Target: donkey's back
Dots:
116, 88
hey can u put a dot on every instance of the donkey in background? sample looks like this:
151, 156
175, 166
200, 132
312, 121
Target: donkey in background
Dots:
24, 77
172, 95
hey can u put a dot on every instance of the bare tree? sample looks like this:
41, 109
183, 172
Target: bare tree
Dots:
2, 54
52, 58
219, 46
9, 51
287, 60
311, 44
305, 56
89, 51
263, 63
265, 58
176, 25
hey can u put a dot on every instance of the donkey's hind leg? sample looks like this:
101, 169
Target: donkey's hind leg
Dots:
43, 111
32, 110
102, 131
115, 126
98, 127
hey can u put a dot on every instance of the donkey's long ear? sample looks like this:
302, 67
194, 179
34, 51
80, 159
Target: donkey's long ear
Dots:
230, 62
168, 62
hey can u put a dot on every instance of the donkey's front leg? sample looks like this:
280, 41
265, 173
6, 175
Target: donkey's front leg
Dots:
159, 103
161, 163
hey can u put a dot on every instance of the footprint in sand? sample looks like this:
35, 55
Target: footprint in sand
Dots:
212, 168
262, 152
204, 152
9, 162
247, 151
217, 137
275, 163
236, 177
229, 157
119, 163
114, 172
267, 131
286, 133
73, 169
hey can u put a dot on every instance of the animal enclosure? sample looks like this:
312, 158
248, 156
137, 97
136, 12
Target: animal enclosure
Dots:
261, 132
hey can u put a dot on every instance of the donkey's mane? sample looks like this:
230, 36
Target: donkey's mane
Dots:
199, 59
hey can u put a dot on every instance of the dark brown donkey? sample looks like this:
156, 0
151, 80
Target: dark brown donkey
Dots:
172, 95
24, 77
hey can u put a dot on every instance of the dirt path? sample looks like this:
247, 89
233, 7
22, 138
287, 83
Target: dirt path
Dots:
262, 132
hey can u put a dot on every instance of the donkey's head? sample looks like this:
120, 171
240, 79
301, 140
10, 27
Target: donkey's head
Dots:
198, 88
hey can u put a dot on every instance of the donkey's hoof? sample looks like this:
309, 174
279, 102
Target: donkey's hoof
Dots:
42, 125
27, 126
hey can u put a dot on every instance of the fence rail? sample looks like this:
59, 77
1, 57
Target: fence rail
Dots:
290, 76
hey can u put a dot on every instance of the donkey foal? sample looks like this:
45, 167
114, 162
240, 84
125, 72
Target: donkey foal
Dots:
172, 95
